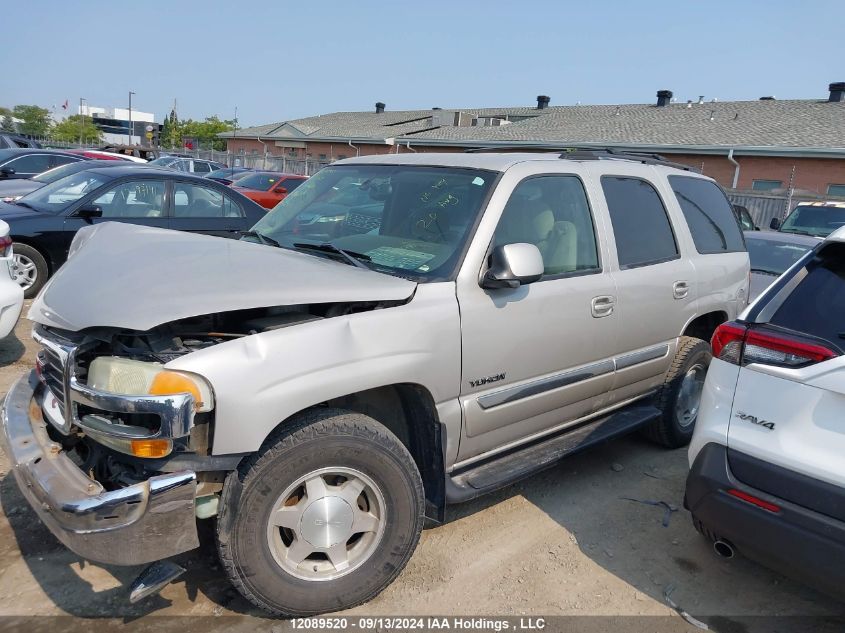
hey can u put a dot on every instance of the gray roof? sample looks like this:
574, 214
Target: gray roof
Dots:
811, 126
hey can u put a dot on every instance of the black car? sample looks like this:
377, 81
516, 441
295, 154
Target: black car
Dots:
227, 175
14, 188
43, 223
29, 162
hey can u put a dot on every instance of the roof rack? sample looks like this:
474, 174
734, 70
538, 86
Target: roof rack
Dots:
587, 153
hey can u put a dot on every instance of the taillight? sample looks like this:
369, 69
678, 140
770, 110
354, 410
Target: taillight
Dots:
5, 246
727, 342
736, 344
757, 501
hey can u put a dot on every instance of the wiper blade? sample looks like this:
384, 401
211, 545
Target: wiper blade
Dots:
765, 272
264, 239
356, 259
798, 232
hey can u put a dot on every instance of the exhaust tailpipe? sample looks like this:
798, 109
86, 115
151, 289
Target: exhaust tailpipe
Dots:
723, 548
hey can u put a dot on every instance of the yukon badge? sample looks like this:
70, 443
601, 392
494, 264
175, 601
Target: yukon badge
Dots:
755, 420
486, 380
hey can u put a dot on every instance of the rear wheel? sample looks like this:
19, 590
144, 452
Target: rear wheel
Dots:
679, 398
30, 269
328, 515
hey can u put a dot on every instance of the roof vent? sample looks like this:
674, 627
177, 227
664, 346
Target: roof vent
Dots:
837, 91
767, 98
379, 107
700, 99
542, 102
664, 97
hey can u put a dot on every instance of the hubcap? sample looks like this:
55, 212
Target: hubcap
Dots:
25, 271
689, 395
326, 524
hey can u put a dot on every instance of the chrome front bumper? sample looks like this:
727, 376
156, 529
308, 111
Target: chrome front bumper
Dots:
138, 524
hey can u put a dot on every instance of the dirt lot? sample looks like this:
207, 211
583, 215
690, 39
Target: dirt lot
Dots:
561, 543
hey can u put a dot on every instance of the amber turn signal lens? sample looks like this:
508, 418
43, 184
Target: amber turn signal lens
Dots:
150, 448
167, 383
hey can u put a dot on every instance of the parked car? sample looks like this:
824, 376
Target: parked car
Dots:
44, 222
133, 151
15, 188
818, 219
323, 395
268, 188
97, 154
228, 174
191, 165
11, 141
767, 477
11, 294
743, 216
771, 254
26, 163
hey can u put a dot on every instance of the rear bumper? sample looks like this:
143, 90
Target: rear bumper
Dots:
796, 541
138, 524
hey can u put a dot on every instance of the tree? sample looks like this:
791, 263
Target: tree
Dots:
36, 120
6, 120
77, 127
206, 131
171, 131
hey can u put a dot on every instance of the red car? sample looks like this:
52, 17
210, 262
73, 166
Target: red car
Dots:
268, 188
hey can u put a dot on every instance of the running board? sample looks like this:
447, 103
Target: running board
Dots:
502, 470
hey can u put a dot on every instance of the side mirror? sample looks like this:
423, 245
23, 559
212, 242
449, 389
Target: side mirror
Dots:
5, 172
89, 211
513, 265
774, 224
280, 190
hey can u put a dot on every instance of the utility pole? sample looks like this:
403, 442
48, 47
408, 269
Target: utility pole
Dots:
130, 116
82, 118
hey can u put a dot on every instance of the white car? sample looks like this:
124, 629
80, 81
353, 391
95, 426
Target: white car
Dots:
11, 294
767, 456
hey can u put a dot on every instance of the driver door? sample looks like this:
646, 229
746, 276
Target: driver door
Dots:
539, 356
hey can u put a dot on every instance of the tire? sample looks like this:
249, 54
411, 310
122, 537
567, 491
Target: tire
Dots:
674, 428
32, 269
261, 559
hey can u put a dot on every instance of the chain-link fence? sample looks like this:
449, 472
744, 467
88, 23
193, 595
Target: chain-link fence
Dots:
764, 206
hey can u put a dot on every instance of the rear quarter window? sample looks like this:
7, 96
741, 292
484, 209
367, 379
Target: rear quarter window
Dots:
709, 215
817, 306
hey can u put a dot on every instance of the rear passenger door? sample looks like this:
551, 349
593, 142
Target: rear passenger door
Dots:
655, 284
203, 209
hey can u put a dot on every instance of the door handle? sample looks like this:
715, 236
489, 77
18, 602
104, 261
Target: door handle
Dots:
680, 289
602, 306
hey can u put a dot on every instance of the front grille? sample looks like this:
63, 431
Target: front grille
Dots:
53, 375
364, 222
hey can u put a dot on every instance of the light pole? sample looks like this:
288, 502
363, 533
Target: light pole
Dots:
82, 124
130, 116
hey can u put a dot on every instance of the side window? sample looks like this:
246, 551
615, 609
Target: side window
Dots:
31, 164
292, 183
133, 199
552, 213
62, 160
709, 215
640, 225
196, 201
201, 167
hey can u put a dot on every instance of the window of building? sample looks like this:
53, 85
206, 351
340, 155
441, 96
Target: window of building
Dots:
709, 215
322, 157
766, 185
552, 213
836, 190
641, 226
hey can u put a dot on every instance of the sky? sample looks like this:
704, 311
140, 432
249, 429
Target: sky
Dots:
280, 60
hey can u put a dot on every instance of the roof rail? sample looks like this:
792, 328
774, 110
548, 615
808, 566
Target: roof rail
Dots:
587, 153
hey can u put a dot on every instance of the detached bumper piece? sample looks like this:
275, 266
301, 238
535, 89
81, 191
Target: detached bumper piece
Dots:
795, 540
141, 523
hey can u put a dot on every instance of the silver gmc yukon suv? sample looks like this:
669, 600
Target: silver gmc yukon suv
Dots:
401, 333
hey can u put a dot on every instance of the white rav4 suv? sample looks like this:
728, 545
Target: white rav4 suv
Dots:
768, 475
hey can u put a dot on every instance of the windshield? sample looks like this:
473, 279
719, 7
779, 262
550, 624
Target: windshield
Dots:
819, 221
226, 173
52, 175
409, 221
262, 182
165, 161
57, 195
773, 257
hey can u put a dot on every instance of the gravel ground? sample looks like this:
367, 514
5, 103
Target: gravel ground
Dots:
564, 542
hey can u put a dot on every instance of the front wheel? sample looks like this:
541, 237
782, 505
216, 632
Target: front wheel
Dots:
679, 399
329, 513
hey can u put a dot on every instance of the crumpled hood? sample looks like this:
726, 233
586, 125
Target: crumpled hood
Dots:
135, 277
